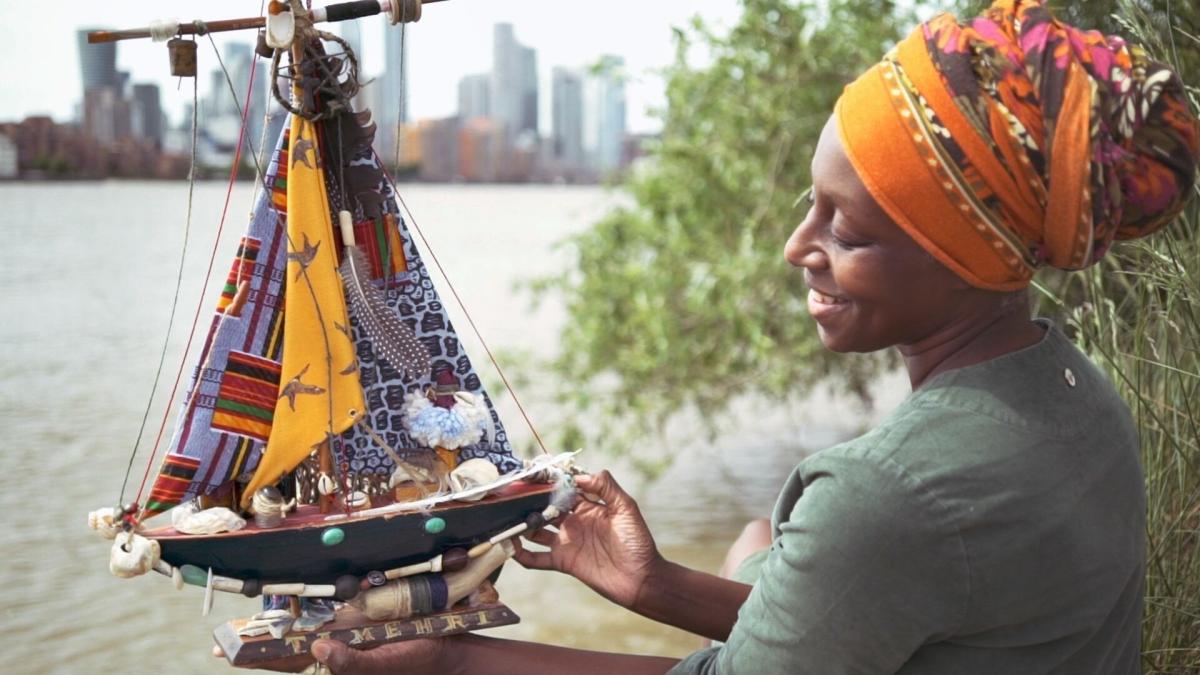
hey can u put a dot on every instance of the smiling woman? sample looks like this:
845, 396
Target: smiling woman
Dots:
994, 523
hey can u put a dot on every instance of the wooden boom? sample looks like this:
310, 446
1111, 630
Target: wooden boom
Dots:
342, 11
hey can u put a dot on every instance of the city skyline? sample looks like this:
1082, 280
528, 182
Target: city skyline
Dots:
450, 42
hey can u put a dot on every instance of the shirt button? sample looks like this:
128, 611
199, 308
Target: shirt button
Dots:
1069, 377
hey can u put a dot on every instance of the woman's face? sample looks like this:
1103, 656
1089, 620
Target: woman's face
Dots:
871, 286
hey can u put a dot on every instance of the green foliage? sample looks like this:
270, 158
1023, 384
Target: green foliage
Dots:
1138, 314
683, 301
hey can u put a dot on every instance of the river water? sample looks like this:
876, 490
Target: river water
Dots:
87, 276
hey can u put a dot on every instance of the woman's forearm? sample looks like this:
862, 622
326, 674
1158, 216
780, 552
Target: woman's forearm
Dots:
472, 654
697, 602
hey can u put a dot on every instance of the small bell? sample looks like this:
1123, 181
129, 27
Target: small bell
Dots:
183, 57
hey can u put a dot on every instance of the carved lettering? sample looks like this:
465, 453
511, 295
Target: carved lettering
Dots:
423, 626
482, 618
362, 635
296, 642
392, 630
454, 621
324, 636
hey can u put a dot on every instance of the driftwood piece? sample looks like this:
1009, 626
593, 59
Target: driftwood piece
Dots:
291, 652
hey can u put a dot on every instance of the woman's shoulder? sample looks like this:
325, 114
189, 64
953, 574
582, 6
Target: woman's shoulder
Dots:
1050, 388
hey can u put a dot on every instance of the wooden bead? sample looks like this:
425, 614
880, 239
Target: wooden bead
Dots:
535, 521
251, 588
455, 559
346, 587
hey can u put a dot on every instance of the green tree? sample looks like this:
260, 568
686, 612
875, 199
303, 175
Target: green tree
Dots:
683, 301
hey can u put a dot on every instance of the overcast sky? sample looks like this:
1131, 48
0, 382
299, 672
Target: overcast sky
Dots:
40, 60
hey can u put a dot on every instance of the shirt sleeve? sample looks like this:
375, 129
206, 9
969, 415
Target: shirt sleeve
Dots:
865, 568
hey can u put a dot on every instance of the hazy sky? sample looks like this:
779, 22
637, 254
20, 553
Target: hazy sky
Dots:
41, 61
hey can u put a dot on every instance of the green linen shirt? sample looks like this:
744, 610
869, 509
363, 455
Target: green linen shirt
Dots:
993, 523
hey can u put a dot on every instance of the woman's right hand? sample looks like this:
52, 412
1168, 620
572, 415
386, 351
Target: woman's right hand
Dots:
605, 545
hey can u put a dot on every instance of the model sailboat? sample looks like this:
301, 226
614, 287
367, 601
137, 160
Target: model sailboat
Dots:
336, 444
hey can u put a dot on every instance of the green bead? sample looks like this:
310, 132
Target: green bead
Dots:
194, 575
435, 525
333, 536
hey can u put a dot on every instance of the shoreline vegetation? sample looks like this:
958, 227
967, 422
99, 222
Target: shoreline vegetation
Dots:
710, 314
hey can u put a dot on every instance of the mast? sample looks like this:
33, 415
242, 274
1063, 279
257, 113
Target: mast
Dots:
284, 370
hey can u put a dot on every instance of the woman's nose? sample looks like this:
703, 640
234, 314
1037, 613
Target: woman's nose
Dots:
802, 248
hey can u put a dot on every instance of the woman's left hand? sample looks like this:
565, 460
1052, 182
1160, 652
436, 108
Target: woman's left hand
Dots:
426, 656
412, 657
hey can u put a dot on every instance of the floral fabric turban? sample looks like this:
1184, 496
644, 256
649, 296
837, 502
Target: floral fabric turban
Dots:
1015, 140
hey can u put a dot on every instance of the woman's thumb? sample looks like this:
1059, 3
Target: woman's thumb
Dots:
335, 655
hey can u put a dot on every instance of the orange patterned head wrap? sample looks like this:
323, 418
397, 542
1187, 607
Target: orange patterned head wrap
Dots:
1015, 140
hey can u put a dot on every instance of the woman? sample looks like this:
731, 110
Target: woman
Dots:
994, 522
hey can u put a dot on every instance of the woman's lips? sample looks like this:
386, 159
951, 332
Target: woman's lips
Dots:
821, 305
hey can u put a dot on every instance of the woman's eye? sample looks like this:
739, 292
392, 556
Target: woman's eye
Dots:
846, 243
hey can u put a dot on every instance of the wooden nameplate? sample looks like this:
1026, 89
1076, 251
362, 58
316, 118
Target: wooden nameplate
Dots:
351, 627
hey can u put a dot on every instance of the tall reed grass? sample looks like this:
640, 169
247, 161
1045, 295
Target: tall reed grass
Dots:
1138, 315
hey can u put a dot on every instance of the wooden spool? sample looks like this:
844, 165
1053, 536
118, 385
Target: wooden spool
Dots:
183, 57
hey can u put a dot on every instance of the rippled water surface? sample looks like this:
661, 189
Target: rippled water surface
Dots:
87, 276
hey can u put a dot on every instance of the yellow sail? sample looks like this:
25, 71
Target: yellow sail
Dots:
319, 384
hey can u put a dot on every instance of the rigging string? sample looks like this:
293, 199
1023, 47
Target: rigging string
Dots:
496, 364
162, 357
237, 158
463, 307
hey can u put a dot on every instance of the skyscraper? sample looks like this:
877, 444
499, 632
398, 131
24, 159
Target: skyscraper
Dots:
514, 94
605, 116
147, 113
529, 92
391, 105
567, 116
104, 117
97, 63
474, 96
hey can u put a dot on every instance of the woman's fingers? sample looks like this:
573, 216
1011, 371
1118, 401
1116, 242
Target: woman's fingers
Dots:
543, 537
604, 486
534, 560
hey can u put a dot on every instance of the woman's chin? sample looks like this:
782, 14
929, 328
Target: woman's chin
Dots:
832, 339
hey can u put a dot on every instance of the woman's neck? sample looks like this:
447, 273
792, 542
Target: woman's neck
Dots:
971, 339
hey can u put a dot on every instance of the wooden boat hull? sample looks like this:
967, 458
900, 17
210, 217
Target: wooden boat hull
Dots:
297, 553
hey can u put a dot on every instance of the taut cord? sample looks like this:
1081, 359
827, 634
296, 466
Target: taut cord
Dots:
471, 321
237, 158
162, 357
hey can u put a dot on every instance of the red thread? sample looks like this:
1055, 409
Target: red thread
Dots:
237, 160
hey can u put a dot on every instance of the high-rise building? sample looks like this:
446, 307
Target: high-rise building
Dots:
529, 92
567, 113
147, 113
391, 104
474, 96
352, 34
97, 63
514, 93
604, 133
105, 113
